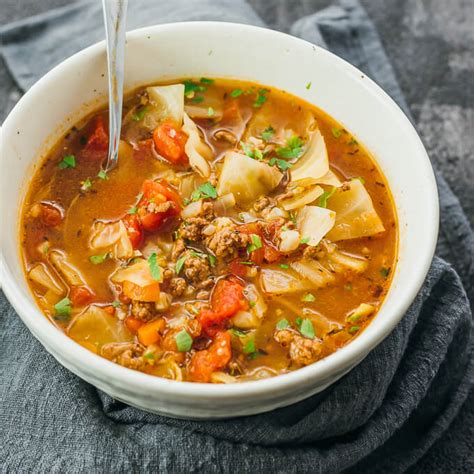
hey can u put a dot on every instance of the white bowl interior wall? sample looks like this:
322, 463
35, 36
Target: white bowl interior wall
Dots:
167, 52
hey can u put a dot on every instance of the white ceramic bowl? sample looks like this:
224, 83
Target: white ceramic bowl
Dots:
78, 85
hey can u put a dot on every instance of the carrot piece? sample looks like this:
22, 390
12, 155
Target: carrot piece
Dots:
142, 293
150, 333
81, 296
133, 324
169, 142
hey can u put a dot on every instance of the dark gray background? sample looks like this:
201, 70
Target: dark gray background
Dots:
430, 43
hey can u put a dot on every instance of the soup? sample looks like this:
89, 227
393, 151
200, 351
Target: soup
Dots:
244, 234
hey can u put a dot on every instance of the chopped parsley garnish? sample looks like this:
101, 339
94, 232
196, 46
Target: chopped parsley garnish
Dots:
237, 332
308, 86
115, 304
336, 132
198, 99
139, 115
268, 133
256, 154
304, 240
179, 264
308, 298
256, 243
298, 322
206, 190
282, 164
353, 141
98, 259
323, 199
69, 161
184, 341
86, 185
149, 355
249, 347
353, 318
212, 259
190, 88
133, 210
154, 267
205, 80
236, 93
284, 266
211, 112
354, 329
246, 263
261, 97
384, 272
102, 175
293, 148
293, 217
283, 324
307, 329
252, 304
63, 307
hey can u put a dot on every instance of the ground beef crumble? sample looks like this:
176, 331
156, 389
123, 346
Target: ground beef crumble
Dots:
143, 310
227, 242
127, 354
302, 351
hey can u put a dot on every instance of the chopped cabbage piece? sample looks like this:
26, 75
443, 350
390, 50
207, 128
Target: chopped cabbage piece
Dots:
245, 178
355, 213
277, 281
95, 327
197, 151
166, 102
313, 271
40, 274
314, 164
342, 261
112, 237
138, 273
307, 196
314, 223
330, 179
71, 274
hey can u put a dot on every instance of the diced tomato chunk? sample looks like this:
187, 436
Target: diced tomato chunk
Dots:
204, 363
134, 230
81, 296
238, 268
157, 193
267, 252
226, 300
170, 141
51, 216
99, 139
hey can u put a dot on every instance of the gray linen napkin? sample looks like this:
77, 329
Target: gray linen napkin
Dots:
381, 417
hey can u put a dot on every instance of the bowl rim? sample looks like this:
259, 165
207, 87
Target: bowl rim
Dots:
96, 366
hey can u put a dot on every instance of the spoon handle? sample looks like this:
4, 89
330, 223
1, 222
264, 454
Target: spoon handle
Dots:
115, 12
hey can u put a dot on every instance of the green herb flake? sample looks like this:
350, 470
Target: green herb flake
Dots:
307, 329
249, 347
236, 93
257, 154
184, 341
98, 259
298, 322
179, 264
308, 298
252, 304
190, 88
293, 217
261, 98
304, 240
86, 185
208, 190
211, 112
115, 304
198, 99
256, 243
283, 324
205, 80
246, 149
139, 114
353, 318
323, 199
268, 133
102, 175
63, 307
336, 132
384, 272
354, 329
69, 161
212, 259
133, 210
149, 355
285, 266
293, 148
283, 165
237, 332
154, 267
308, 86
246, 263
353, 141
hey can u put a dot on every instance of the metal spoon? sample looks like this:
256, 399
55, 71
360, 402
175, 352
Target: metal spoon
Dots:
115, 12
